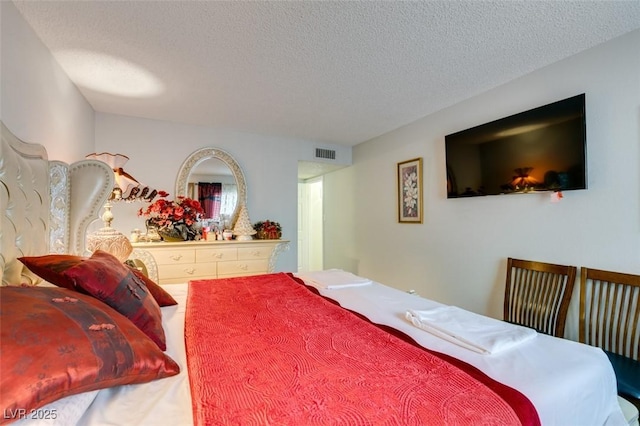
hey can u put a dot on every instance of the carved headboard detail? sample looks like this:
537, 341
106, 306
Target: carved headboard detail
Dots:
78, 192
46, 206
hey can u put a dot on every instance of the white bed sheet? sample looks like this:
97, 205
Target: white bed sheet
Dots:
569, 383
161, 402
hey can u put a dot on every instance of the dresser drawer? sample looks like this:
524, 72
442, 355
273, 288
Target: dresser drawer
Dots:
216, 255
248, 253
187, 271
243, 267
174, 256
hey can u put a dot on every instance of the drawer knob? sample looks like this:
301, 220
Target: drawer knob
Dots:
176, 257
218, 255
256, 253
244, 267
189, 271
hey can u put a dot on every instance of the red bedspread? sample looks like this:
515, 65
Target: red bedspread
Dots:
266, 350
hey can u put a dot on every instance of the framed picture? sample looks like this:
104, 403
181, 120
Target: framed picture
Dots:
410, 191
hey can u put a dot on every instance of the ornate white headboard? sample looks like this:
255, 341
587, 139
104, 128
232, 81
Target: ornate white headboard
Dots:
78, 192
46, 206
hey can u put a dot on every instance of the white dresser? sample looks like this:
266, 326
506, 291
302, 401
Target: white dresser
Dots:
183, 261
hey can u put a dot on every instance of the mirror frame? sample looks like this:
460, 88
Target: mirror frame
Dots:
207, 153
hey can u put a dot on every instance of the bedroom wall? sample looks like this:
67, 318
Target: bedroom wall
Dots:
458, 255
157, 149
38, 102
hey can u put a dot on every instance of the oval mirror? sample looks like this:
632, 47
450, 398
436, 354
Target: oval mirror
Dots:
210, 173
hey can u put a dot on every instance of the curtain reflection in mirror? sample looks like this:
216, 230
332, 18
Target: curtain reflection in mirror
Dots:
218, 199
209, 195
229, 199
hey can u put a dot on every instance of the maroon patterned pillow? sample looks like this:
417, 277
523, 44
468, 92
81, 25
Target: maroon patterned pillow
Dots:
51, 267
162, 297
56, 342
107, 279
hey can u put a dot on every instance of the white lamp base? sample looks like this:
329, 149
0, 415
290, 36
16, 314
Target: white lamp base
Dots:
109, 240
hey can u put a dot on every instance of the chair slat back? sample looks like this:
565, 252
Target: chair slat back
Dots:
537, 295
610, 311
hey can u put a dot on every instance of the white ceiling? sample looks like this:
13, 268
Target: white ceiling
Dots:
330, 71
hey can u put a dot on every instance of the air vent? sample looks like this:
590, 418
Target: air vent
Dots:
328, 154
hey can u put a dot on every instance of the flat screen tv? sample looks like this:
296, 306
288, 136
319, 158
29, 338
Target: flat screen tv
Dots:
543, 149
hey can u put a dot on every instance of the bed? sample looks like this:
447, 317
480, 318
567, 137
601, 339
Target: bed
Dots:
540, 380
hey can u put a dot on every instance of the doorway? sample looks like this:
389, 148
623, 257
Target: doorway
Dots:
310, 225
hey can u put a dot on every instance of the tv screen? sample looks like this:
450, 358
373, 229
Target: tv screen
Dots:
543, 149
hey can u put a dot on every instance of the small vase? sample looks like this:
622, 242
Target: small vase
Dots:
152, 232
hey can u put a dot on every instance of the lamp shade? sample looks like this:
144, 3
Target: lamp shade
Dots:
522, 180
125, 183
127, 187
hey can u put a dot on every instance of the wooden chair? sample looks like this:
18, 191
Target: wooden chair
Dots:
537, 295
610, 319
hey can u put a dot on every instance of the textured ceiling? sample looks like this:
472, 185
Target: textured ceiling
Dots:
340, 72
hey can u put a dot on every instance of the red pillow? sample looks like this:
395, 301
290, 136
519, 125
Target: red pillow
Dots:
162, 297
55, 342
107, 279
51, 267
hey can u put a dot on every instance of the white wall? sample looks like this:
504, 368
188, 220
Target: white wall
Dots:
38, 102
157, 149
458, 255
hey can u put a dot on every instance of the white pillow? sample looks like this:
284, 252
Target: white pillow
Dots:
63, 412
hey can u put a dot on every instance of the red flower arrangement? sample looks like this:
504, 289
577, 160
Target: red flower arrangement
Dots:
178, 214
268, 230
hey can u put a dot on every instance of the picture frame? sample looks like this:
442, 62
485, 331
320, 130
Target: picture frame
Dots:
409, 184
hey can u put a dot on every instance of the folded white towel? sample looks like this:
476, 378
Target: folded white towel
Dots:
470, 330
331, 279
